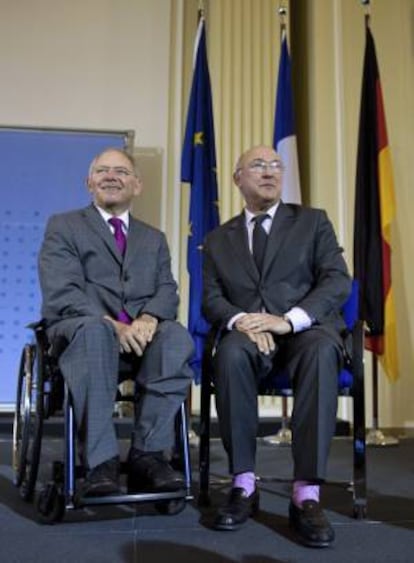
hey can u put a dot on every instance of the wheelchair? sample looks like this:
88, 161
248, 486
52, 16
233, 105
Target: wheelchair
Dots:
350, 384
41, 394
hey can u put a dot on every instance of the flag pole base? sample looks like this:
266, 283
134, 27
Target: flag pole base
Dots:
282, 438
193, 438
376, 438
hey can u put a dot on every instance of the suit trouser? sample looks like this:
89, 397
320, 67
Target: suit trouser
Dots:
312, 359
90, 366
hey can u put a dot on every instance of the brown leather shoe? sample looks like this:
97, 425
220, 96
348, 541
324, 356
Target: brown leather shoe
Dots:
101, 480
238, 508
310, 524
151, 472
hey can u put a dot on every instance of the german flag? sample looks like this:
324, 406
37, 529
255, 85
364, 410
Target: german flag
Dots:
374, 213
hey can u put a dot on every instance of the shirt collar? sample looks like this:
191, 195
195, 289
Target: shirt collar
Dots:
271, 212
106, 216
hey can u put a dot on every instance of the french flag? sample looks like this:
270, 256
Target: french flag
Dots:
284, 138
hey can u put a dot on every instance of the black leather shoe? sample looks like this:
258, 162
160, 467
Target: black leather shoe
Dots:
310, 524
101, 480
238, 508
151, 472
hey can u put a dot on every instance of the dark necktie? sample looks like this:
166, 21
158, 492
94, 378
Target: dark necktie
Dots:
259, 240
121, 241
119, 234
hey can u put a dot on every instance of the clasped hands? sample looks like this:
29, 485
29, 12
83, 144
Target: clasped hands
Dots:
134, 337
261, 328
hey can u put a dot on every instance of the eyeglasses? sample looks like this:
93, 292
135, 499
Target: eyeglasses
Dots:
118, 171
261, 166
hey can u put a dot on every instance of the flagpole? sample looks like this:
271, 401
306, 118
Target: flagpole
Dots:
282, 11
283, 436
375, 436
200, 11
198, 168
367, 4
193, 437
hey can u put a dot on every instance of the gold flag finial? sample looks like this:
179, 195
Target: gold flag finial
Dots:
367, 5
200, 9
282, 11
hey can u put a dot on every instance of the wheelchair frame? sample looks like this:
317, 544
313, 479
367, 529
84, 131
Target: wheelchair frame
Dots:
40, 395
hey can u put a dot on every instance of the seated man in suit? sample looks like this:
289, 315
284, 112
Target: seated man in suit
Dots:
109, 294
274, 283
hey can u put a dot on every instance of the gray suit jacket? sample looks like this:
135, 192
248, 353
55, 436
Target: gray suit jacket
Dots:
303, 266
82, 272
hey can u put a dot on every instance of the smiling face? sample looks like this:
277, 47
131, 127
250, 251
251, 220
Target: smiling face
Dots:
113, 182
258, 175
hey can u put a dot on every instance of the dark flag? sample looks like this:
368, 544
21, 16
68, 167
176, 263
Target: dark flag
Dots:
198, 167
374, 212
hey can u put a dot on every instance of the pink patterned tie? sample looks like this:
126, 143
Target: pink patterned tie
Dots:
121, 242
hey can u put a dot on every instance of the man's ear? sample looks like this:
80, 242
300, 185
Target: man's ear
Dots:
138, 186
236, 177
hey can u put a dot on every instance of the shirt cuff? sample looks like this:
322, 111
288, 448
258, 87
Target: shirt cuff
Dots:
235, 318
299, 318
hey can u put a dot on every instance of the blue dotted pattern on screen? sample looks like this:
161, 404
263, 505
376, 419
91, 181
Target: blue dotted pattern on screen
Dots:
43, 172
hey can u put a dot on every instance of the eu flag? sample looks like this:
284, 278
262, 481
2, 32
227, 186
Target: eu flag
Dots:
198, 167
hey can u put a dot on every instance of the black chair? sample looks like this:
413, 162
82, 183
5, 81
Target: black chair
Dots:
41, 393
350, 384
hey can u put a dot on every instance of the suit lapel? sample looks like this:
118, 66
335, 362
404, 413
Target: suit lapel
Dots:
97, 224
136, 235
281, 225
237, 236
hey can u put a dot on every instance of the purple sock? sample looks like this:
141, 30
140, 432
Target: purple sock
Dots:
303, 490
246, 481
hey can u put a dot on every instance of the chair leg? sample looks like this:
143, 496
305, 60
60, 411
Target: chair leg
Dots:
204, 452
70, 440
185, 448
359, 444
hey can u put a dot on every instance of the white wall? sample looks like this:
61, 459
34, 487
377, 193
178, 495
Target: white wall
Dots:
100, 64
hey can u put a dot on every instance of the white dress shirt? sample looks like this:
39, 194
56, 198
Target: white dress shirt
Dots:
124, 218
298, 317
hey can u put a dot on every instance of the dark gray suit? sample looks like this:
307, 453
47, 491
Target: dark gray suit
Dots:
84, 277
303, 266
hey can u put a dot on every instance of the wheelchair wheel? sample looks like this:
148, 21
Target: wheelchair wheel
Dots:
28, 421
50, 504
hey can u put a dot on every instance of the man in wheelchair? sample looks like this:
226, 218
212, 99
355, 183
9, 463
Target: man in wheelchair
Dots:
109, 293
274, 283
